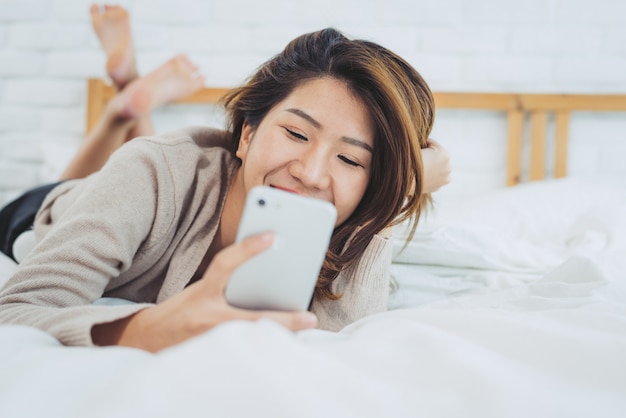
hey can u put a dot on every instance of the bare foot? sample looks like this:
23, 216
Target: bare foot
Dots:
176, 78
112, 26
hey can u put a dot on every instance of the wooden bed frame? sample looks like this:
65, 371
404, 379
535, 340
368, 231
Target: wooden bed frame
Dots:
521, 109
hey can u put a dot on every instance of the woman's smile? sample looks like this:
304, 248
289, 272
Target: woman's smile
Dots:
283, 188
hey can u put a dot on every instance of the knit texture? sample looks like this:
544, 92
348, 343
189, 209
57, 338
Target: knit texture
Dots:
138, 230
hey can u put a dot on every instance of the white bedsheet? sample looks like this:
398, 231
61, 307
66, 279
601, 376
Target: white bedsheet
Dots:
513, 305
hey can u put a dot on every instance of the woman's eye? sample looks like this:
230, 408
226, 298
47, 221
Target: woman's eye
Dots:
349, 161
296, 135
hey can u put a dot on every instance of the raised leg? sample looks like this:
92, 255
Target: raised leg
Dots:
111, 23
112, 26
176, 78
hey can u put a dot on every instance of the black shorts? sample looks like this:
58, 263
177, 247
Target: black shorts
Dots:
18, 216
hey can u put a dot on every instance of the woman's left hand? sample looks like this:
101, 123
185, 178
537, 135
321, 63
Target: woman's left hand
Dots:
436, 160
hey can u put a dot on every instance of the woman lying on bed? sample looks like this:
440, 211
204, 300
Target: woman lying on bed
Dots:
332, 118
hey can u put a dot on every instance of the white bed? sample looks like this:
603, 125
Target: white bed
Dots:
509, 305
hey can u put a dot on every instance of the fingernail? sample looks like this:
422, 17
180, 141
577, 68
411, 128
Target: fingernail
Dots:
308, 320
266, 237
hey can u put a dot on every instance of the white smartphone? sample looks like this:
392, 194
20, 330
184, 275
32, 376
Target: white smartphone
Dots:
284, 276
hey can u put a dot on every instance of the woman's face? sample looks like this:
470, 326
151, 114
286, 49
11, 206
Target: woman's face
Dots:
318, 142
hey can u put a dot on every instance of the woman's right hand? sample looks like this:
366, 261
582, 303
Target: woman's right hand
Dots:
198, 308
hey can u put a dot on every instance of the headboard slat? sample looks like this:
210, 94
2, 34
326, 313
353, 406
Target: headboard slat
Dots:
515, 121
538, 127
561, 132
96, 101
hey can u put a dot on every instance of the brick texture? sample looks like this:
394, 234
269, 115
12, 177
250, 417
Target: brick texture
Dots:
48, 50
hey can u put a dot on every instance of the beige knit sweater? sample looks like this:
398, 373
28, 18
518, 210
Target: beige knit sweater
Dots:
138, 230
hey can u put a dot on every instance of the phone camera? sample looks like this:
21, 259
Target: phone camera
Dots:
261, 202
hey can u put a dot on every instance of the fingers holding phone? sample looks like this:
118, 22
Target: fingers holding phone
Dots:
219, 272
198, 308
225, 262
283, 277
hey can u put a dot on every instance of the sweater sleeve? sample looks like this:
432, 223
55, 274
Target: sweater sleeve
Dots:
92, 241
364, 288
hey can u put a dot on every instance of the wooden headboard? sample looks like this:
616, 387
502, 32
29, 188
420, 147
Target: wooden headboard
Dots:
520, 109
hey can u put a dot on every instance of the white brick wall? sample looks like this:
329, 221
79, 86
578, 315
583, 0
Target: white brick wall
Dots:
20, 64
48, 36
47, 50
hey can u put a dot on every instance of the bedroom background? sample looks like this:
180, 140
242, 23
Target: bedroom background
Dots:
48, 51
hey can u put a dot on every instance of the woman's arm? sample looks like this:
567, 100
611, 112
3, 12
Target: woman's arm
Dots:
364, 288
95, 228
203, 136
196, 309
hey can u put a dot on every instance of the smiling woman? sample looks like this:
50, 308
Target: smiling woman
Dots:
331, 118
387, 107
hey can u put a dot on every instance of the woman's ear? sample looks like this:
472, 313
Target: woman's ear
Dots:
244, 141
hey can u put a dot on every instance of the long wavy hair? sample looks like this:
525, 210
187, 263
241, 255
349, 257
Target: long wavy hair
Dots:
399, 103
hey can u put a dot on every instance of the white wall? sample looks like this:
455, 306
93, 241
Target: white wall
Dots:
47, 50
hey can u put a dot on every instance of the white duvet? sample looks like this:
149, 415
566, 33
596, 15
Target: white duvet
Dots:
511, 305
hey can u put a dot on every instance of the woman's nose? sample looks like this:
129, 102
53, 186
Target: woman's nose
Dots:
313, 169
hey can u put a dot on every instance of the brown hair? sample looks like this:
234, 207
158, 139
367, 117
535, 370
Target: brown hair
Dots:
401, 108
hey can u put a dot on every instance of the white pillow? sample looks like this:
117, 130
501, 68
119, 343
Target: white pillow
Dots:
538, 211
530, 227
